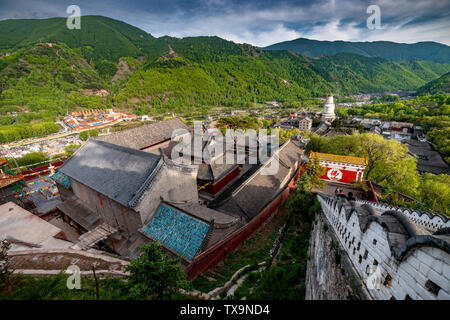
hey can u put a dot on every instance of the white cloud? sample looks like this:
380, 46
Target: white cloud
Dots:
261, 25
278, 33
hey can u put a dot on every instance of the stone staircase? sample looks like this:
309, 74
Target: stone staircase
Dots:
99, 233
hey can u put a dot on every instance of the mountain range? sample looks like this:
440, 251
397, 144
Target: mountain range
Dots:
431, 51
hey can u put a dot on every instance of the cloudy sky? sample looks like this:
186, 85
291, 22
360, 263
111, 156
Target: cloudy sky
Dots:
260, 22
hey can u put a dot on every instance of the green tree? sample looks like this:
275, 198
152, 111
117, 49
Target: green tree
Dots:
314, 171
435, 192
285, 135
5, 270
70, 149
29, 159
388, 161
154, 275
106, 68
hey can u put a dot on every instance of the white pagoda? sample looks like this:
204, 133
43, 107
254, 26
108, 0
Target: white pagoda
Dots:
328, 109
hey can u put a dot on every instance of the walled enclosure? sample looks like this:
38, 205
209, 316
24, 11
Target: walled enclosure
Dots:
414, 262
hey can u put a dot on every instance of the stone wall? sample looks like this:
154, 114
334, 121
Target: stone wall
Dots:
411, 265
329, 274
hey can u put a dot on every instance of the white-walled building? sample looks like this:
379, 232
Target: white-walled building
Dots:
328, 109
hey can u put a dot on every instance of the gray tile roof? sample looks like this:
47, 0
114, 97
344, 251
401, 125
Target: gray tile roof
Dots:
115, 171
77, 211
212, 171
147, 135
428, 159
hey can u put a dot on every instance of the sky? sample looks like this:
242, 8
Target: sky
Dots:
260, 22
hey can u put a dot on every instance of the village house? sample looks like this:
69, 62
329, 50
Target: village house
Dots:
305, 124
120, 198
148, 137
122, 187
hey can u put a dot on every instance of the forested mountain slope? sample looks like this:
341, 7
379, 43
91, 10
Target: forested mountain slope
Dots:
393, 51
99, 37
439, 85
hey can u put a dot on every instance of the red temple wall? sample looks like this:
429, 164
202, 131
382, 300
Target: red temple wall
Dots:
225, 180
34, 172
216, 187
212, 256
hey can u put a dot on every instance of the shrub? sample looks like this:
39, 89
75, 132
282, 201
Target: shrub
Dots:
84, 135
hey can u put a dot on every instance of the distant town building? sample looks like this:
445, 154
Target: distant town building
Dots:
305, 124
328, 109
272, 103
323, 128
91, 119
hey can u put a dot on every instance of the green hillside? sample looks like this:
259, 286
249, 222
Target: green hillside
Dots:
439, 85
41, 83
51, 70
431, 51
351, 72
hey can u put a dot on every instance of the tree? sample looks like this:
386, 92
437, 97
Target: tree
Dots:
314, 171
435, 191
70, 149
285, 135
388, 161
153, 275
304, 184
29, 159
84, 134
